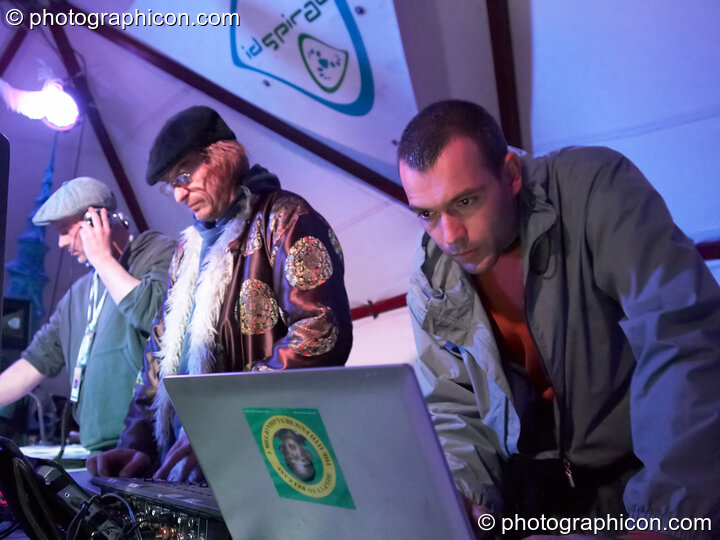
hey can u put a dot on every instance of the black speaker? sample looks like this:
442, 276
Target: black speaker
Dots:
16, 321
4, 175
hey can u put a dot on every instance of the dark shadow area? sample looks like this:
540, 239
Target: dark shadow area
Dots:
522, 38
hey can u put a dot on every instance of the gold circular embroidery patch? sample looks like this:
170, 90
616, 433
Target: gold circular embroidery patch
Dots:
256, 309
308, 264
309, 341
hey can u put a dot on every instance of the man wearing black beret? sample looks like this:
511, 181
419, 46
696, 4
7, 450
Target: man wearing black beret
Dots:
256, 284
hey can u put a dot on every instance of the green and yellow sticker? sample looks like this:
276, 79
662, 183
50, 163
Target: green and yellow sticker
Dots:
298, 454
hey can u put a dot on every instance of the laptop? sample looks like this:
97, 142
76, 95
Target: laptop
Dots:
347, 452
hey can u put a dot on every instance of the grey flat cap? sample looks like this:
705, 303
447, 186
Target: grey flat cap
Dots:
73, 199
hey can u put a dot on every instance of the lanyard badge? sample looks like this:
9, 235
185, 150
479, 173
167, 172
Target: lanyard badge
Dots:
75, 388
94, 307
82, 360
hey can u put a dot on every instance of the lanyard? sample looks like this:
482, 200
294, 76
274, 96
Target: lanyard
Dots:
95, 306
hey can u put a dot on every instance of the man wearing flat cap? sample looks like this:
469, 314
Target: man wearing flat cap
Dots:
101, 325
256, 284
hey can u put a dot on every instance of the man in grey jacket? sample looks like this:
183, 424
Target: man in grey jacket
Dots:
568, 332
99, 328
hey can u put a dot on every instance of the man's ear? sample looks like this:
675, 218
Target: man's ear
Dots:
512, 169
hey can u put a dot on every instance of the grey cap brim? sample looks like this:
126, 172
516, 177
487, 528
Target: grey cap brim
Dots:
73, 198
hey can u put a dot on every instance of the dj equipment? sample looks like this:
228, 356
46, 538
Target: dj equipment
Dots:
170, 510
48, 503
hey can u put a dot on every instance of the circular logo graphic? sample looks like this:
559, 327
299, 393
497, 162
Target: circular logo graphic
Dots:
298, 456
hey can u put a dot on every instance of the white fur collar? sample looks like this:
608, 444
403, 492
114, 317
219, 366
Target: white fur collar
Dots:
206, 290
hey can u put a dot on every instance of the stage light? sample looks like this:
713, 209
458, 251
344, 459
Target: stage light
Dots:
55, 107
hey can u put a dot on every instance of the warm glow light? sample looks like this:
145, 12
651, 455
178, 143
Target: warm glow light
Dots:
52, 104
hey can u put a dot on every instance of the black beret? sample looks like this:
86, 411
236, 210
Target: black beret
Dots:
195, 128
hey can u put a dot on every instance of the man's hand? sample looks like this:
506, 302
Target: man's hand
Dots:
96, 237
474, 513
181, 452
100, 250
122, 462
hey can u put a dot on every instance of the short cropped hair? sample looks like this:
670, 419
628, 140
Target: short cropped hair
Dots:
432, 129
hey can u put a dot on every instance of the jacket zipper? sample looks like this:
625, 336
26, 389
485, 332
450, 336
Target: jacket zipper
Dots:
567, 464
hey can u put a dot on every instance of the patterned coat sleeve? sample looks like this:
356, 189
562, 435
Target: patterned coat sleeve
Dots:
307, 268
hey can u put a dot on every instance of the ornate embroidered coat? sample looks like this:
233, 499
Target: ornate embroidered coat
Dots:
269, 295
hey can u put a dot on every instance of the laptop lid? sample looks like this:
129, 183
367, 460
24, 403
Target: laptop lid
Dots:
346, 452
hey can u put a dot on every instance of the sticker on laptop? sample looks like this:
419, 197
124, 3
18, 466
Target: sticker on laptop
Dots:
299, 456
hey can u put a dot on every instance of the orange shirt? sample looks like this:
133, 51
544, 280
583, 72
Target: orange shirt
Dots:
502, 293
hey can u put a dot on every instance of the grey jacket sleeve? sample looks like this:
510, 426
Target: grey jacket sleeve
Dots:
45, 352
470, 446
149, 263
671, 304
